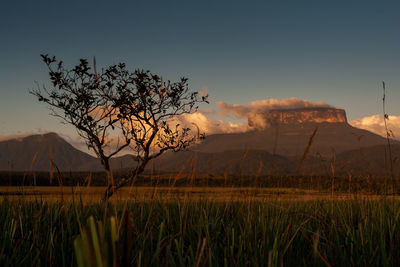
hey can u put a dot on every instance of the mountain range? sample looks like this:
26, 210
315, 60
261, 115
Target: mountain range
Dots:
331, 147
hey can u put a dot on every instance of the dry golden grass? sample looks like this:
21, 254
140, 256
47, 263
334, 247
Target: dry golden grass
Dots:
164, 193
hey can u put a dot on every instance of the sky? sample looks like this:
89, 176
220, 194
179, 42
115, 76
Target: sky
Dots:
337, 52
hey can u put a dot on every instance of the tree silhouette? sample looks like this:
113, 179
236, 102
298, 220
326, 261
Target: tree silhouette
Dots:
119, 109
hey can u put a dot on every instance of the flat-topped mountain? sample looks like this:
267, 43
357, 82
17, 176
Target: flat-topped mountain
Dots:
275, 117
279, 147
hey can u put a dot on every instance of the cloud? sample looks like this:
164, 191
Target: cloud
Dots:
243, 110
20, 135
254, 109
376, 125
207, 125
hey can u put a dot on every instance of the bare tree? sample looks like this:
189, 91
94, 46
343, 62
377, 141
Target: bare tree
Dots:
138, 108
147, 108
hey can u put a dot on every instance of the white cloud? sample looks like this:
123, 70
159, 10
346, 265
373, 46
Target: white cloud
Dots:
376, 124
208, 125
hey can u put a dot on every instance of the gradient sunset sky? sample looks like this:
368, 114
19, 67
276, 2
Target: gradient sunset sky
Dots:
337, 52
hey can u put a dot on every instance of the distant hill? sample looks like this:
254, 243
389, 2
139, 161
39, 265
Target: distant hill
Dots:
34, 153
273, 151
232, 162
371, 161
292, 139
363, 162
279, 150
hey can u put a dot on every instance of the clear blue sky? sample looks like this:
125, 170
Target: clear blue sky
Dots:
332, 51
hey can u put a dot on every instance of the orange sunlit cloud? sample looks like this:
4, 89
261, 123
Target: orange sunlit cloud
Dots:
376, 124
208, 125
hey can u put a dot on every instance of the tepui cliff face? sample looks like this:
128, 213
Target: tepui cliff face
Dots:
297, 116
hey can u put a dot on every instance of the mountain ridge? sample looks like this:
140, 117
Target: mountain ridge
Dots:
34, 153
276, 150
291, 140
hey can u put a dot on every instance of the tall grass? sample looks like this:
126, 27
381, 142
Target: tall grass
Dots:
356, 232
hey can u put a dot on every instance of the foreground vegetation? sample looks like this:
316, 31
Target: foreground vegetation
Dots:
357, 232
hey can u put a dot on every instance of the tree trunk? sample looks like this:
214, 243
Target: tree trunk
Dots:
112, 188
109, 178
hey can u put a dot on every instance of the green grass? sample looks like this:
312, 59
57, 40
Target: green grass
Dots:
356, 232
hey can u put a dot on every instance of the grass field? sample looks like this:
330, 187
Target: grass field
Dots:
90, 195
204, 226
